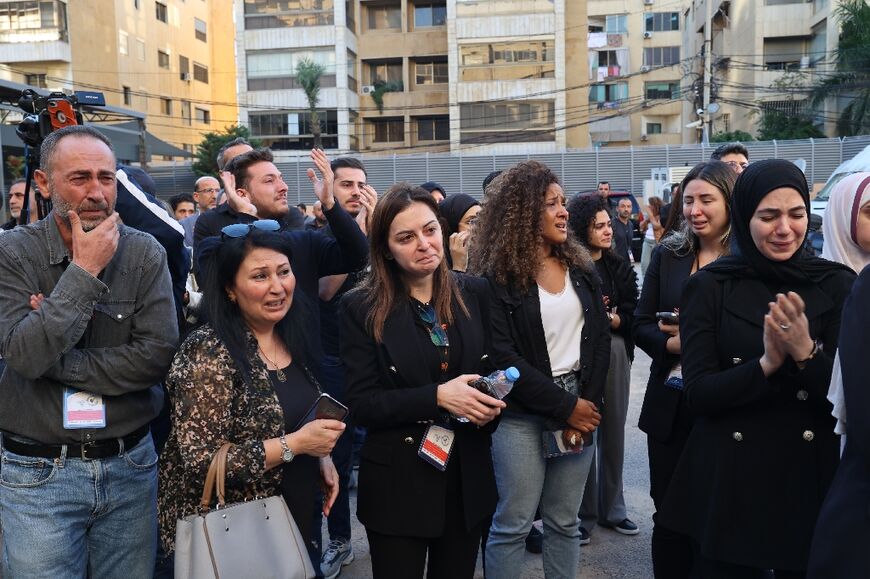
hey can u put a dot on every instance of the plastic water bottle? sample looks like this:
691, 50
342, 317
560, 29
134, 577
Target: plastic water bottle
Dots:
498, 384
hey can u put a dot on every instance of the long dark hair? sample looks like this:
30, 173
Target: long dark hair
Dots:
384, 287
220, 268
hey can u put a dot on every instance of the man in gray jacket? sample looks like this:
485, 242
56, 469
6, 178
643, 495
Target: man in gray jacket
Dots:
88, 330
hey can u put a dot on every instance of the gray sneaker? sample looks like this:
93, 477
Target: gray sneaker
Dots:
338, 553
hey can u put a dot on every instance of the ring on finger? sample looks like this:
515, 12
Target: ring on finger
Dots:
784, 326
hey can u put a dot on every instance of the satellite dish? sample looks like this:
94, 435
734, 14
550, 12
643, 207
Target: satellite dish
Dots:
712, 108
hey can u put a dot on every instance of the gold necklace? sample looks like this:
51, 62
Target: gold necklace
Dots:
282, 377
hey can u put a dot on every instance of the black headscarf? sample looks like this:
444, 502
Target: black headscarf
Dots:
432, 186
753, 185
454, 207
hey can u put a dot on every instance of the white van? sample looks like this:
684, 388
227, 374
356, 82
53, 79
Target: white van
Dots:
858, 163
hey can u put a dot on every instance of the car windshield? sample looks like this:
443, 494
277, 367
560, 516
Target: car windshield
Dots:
825, 193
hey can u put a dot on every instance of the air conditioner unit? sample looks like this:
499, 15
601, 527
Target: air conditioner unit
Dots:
185, 76
368, 89
644, 138
648, 2
647, 35
644, 68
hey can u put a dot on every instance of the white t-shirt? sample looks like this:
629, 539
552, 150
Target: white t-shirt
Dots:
562, 318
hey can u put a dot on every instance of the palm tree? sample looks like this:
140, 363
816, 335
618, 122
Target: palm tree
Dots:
851, 79
308, 75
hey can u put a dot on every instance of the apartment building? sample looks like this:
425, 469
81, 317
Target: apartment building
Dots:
170, 59
517, 75
636, 61
759, 49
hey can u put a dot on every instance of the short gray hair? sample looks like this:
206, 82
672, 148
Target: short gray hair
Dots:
47, 149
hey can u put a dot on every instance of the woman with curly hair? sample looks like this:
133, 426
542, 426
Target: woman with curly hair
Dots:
548, 320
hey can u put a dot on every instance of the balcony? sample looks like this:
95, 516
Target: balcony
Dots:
788, 20
35, 45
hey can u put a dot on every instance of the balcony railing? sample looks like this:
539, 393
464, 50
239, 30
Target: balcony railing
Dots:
22, 35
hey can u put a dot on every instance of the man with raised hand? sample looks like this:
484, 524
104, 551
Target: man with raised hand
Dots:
87, 330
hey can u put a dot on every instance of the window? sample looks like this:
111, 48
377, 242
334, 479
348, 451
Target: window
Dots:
200, 29
608, 93
662, 21
136, 4
261, 14
200, 72
37, 80
185, 112
203, 116
166, 107
162, 59
434, 72
653, 128
161, 12
184, 67
128, 98
433, 128
616, 24
48, 17
123, 42
783, 53
434, 14
508, 121
351, 71
291, 130
140, 49
507, 60
818, 43
388, 130
276, 69
661, 56
661, 90
385, 72
384, 17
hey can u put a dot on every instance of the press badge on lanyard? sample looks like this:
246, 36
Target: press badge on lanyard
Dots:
436, 446
83, 409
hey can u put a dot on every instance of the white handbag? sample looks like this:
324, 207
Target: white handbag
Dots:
256, 539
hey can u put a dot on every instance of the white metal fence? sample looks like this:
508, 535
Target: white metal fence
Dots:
625, 168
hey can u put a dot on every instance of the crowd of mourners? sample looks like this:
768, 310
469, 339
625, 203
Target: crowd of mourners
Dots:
138, 338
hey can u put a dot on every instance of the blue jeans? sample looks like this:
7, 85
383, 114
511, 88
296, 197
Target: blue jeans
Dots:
525, 479
69, 517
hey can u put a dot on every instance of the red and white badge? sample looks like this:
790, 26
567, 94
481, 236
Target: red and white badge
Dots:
436, 446
83, 409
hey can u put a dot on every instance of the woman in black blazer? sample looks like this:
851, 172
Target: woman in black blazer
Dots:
702, 237
412, 339
760, 331
562, 350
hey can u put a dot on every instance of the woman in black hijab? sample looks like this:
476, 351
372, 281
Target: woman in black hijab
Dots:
760, 330
459, 214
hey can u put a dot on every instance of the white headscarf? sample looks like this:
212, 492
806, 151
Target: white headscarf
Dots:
840, 231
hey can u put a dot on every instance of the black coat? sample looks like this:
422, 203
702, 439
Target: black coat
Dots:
762, 452
663, 409
518, 340
624, 296
391, 393
842, 536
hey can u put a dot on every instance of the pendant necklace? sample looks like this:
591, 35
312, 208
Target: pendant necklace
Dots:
282, 377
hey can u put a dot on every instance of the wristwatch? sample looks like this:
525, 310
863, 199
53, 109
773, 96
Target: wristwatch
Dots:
286, 454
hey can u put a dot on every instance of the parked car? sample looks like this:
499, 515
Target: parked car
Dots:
858, 163
613, 199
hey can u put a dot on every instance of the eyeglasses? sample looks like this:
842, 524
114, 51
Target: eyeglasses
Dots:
237, 230
735, 165
209, 190
436, 332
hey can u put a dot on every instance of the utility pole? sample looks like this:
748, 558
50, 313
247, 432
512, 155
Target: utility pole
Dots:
708, 69
143, 152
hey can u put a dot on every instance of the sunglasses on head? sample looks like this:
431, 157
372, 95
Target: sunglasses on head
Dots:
239, 230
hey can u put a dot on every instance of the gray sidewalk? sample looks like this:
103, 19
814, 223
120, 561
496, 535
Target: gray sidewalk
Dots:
610, 554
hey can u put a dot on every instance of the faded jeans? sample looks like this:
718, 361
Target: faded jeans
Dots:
525, 479
69, 517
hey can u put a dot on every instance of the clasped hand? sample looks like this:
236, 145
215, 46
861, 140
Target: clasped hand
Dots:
786, 332
465, 401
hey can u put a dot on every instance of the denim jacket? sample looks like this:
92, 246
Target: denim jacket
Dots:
113, 335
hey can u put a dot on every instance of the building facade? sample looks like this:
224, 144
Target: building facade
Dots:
170, 59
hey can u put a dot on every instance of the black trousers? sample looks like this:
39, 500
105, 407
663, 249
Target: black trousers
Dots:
710, 569
673, 553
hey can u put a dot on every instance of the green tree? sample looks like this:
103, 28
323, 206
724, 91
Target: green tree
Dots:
732, 137
308, 75
779, 126
851, 79
207, 150
383, 87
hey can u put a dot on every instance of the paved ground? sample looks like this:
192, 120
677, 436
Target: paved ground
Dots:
610, 554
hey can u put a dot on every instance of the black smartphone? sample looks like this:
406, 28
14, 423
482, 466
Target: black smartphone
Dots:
668, 318
324, 407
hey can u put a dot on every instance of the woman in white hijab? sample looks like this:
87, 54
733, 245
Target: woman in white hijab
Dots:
846, 229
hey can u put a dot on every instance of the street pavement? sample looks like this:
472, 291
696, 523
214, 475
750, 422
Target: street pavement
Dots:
610, 555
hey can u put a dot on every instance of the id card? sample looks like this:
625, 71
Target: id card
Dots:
675, 378
436, 446
554, 445
83, 409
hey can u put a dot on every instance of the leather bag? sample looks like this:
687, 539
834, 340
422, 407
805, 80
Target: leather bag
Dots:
256, 539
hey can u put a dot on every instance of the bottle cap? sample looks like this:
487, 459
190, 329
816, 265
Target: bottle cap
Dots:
512, 374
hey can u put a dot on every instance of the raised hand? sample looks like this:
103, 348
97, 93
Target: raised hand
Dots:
462, 400
368, 198
237, 203
322, 187
93, 250
459, 249
792, 326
